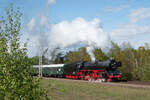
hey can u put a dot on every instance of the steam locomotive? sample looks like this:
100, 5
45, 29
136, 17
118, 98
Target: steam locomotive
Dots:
97, 70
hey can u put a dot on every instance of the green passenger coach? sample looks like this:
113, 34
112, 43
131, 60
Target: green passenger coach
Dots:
52, 70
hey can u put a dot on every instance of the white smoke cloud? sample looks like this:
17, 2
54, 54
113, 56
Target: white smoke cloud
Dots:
65, 34
79, 30
90, 51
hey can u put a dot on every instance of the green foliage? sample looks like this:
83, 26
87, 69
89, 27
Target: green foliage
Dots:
99, 54
83, 55
16, 81
80, 55
115, 51
135, 62
34, 60
146, 73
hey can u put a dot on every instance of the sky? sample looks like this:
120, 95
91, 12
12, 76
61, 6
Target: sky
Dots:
67, 22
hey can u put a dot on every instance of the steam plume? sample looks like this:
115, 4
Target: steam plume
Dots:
65, 34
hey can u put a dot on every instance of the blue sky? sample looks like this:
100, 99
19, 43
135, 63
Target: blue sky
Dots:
123, 20
88, 9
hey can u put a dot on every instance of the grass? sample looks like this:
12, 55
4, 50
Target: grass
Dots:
74, 90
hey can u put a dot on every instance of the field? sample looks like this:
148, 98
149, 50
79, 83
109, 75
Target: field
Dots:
76, 90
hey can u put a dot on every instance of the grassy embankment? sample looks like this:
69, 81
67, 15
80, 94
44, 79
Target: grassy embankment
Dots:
74, 90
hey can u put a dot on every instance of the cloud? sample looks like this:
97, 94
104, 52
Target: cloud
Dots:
116, 9
139, 14
125, 31
113, 10
51, 2
31, 24
130, 29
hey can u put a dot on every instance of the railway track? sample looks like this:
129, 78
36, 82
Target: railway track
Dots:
129, 84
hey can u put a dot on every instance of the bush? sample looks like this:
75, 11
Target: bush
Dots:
16, 81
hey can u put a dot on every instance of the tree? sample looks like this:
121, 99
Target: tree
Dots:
135, 62
16, 81
70, 57
83, 55
80, 55
146, 71
124, 55
34, 60
99, 54
115, 51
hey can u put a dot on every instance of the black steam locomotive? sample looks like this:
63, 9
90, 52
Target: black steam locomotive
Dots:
98, 70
